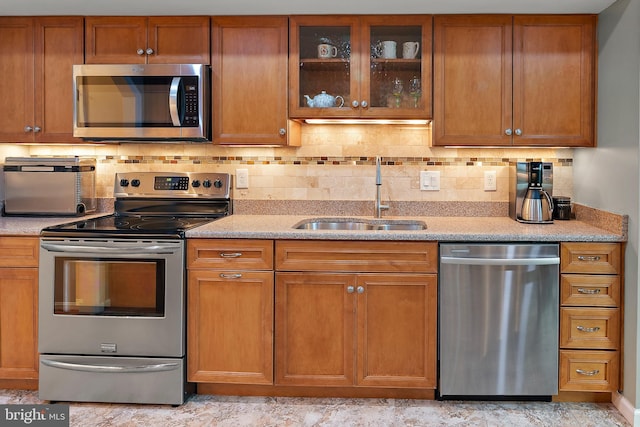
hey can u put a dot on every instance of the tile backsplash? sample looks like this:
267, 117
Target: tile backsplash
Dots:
335, 162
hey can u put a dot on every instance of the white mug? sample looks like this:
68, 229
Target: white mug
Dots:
410, 50
387, 49
327, 51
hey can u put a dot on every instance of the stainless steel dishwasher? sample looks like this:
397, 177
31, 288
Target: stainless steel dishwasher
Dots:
498, 321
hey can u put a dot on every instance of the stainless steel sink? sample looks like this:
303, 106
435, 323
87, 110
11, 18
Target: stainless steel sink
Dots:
360, 224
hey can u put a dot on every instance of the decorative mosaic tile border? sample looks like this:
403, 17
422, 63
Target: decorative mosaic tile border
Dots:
331, 161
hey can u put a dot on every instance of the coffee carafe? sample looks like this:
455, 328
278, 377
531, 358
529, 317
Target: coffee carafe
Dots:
530, 195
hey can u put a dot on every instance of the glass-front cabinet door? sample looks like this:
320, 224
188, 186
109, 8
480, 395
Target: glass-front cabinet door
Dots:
324, 67
355, 67
398, 59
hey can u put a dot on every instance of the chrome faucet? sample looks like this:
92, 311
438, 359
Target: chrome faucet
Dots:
379, 205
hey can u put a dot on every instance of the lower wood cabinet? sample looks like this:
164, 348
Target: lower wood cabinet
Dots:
339, 325
356, 329
338, 314
18, 308
230, 311
590, 316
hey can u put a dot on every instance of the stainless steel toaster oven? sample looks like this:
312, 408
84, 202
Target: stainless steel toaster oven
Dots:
49, 186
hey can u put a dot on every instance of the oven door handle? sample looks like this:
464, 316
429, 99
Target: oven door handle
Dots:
158, 367
149, 249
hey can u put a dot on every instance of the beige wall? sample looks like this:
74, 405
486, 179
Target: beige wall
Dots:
335, 162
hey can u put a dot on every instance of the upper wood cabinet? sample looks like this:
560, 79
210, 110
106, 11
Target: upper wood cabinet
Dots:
522, 80
344, 57
147, 40
36, 61
249, 82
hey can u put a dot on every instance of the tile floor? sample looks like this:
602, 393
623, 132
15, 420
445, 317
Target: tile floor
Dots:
232, 411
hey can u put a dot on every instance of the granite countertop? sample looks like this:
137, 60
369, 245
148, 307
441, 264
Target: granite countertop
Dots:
32, 225
438, 228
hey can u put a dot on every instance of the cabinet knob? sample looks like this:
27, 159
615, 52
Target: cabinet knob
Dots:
149, 51
508, 132
360, 289
282, 131
364, 104
355, 103
518, 132
37, 129
140, 51
350, 289
28, 128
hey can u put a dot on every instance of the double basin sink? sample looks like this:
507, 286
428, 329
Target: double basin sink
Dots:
358, 224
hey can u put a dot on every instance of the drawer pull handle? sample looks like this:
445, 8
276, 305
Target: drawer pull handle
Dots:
230, 276
589, 258
583, 329
230, 254
588, 291
587, 373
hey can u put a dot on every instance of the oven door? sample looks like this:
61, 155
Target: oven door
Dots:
119, 297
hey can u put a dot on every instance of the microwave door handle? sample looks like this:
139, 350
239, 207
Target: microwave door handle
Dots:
173, 101
150, 249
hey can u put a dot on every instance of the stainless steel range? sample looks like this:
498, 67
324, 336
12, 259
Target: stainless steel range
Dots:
112, 291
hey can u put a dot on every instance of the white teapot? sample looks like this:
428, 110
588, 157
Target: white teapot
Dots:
324, 100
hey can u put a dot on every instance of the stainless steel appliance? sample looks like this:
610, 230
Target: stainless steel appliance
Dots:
49, 186
141, 102
112, 291
498, 320
530, 192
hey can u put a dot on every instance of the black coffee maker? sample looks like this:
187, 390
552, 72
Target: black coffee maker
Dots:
530, 192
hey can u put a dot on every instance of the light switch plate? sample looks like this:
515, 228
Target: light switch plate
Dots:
490, 181
429, 180
242, 178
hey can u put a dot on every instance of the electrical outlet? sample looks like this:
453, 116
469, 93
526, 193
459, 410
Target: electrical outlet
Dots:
429, 180
490, 181
242, 178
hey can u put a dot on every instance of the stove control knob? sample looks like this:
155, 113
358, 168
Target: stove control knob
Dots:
124, 182
206, 183
217, 183
195, 183
135, 182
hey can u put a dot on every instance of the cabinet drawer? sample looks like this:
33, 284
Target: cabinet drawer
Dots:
594, 290
593, 328
224, 254
19, 251
589, 370
350, 256
595, 258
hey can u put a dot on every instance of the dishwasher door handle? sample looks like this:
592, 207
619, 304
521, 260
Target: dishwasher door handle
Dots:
500, 261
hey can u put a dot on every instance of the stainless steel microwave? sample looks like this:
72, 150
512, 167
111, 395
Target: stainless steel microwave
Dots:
153, 102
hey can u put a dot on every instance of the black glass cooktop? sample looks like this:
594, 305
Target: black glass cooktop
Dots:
131, 225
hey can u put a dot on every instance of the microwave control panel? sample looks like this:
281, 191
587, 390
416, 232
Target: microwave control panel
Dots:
190, 87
